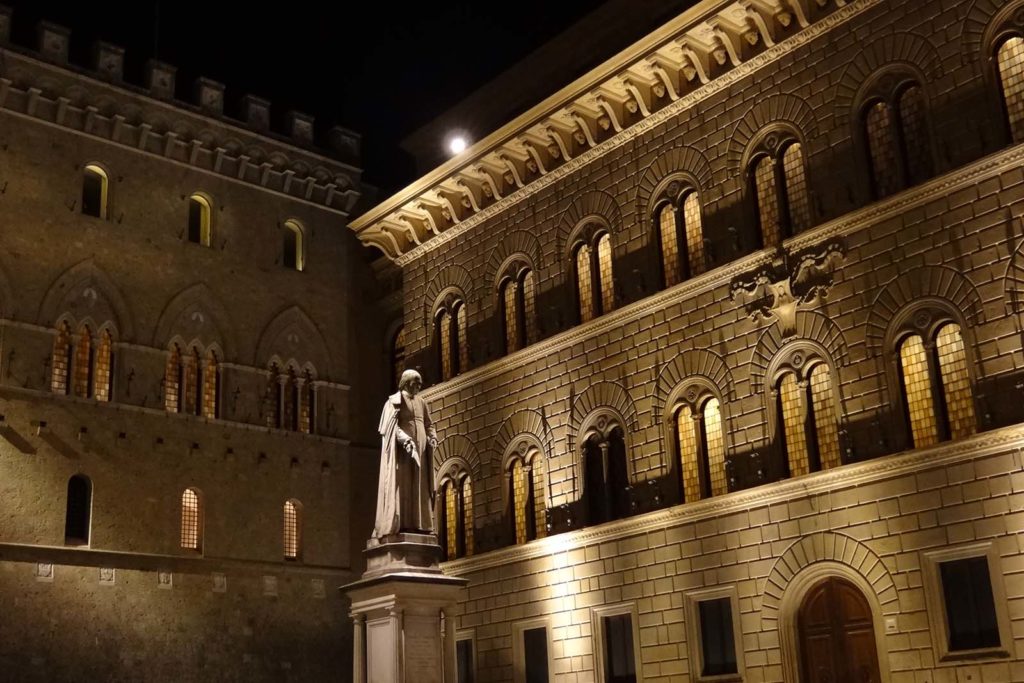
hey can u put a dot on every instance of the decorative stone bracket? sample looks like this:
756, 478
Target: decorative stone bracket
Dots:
775, 291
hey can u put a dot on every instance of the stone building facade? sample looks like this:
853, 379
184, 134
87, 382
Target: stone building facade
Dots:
725, 344
181, 480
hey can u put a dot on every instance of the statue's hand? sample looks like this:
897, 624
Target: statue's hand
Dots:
410, 447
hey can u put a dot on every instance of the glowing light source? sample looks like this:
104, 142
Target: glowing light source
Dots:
457, 144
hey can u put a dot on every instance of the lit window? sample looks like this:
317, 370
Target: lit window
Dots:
451, 520
669, 238
917, 391
79, 510
444, 328
467, 515
826, 427
897, 139
584, 283
701, 449
528, 305
456, 515
94, 191
767, 201
191, 520
61, 359
521, 503
101, 367
398, 356
808, 425
779, 184
956, 384
172, 380
294, 255
796, 188
83, 362
292, 529
199, 220
509, 297
211, 386
190, 388
1011, 76
791, 406
604, 264
694, 233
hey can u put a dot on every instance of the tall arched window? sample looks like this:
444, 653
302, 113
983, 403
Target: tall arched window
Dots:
451, 339
292, 537
191, 520
102, 361
455, 512
936, 385
397, 356
606, 478
1010, 61
293, 251
200, 220
525, 486
61, 363
82, 366
779, 187
172, 380
595, 286
680, 235
79, 510
211, 386
807, 426
95, 186
700, 445
516, 293
896, 133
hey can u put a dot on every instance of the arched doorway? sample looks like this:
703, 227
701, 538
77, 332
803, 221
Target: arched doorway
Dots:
837, 635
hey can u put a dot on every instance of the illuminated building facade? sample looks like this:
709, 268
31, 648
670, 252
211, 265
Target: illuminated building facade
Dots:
725, 341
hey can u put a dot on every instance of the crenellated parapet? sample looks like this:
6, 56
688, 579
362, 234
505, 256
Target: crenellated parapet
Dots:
97, 102
699, 53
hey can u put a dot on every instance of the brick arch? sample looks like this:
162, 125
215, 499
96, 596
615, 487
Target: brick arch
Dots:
691, 363
86, 291
810, 326
976, 23
920, 283
604, 395
678, 160
893, 49
451, 277
593, 204
456, 449
785, 109
293, 336
522, 422
515, 242
826, 546
196, 313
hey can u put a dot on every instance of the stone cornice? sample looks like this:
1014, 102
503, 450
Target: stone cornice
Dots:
881, 469
422, 217
842, 226
33, 90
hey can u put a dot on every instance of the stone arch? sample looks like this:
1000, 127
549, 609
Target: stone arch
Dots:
523, 422
451, 278
682, 160
826, 546
777, 109
977, 21
196, 313
593, 204
86, 291
293, 337
515, 243
604, 395
691, 363
456, 449
1013, 282
938, 282
893, 49
810, 326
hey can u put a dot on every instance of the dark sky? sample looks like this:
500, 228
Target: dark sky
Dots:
379, 68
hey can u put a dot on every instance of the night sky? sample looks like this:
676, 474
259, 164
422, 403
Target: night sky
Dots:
380, 68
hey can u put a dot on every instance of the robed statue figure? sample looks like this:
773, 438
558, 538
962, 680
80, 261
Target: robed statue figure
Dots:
405, 490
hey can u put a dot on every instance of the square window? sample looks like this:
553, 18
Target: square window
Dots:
465, 661
616, 644
712, 634
531, 651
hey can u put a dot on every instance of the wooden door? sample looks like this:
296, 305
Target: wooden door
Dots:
837, 635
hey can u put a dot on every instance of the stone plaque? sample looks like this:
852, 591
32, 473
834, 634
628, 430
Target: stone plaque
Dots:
380, 650
422, 649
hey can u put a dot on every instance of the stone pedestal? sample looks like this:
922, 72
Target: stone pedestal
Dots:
403, 609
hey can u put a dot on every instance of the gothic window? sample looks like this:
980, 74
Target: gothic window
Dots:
700, 444
936, 384
606, 478
680, 236
896, 134
172, 380
807, 426
595, 286
190, 388
200, 220
397, 356
94, 191
294, 254
102, 360
779, 187
61, 363
525, 486
211, 386
451, 339
291, 399
292, 537
78, 511
516, 294
191, 520
1010, 61
82, 365
456, 514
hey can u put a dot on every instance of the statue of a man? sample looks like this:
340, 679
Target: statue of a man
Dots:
405, 490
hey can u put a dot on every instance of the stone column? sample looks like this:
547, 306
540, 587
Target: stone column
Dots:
359, 649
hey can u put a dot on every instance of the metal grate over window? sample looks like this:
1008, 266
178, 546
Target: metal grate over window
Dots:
190, 520
292, 539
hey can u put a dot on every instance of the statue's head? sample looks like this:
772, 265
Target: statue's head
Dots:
411, 382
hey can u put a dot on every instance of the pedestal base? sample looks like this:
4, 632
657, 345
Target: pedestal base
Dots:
404, 610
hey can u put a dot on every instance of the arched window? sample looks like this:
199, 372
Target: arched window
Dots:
82, 366
307, 403
200, 217
936, 385
172, 380
525, 486
102, 362
397, 356
61, 363
896, 133
806, 419
292, 529
94, 191
291, 399
294, 254
211, 386
680, 236
451, 339
606, 479
79, 510
191, 386
191, 520
700, 445
516, 294
455, 511
595, 286
1010, 61
779, 186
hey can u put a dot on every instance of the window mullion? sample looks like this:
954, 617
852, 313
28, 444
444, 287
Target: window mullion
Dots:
938, 390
